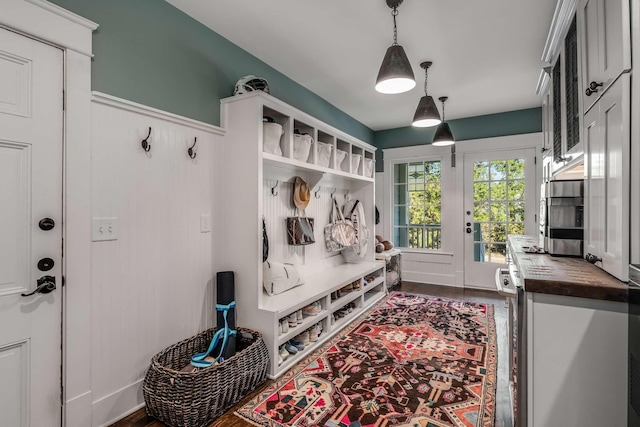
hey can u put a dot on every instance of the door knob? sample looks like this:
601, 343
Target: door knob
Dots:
46, 284
593, 88
46, 224
45, 264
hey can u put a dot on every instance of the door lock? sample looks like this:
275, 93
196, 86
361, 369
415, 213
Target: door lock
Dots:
468, 224
469, 230
46, 284
45, 264
46, 224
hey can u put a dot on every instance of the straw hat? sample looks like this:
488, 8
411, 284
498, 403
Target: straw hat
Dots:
301, 193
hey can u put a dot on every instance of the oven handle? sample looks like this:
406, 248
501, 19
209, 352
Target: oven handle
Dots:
502, 289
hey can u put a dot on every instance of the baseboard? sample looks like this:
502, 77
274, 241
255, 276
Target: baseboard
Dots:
436, 279
77, 411
117, 405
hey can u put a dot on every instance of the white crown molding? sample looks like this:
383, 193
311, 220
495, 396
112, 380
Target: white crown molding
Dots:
123, 104
543, 82
54, 8
560, 24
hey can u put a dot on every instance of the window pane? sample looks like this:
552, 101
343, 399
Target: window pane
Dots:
516, 211
516, 190
432, 170
498, 170
481, 212
498, 233
415, 237
400, 215
499, 190
498, 212
432, 193
480, 252
516, 168
400, 237
416, 215
400, 196
481, 171
400, 173
498, 253
432, 215
480, 191
516, 228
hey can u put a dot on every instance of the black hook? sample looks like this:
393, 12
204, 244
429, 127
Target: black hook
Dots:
273, 189
334, 192
146, 145
190, 151
316, 193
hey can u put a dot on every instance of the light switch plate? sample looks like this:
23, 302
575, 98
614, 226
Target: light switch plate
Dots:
104, 229
205, 223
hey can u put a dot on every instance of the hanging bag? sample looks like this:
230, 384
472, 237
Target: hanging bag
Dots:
300, 230
357, 252
265, 242
340, 232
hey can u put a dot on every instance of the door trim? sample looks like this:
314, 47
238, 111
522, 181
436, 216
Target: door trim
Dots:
54, 25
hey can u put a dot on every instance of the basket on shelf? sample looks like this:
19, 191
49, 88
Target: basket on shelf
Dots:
194, 399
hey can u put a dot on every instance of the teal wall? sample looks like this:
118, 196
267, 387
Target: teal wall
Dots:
149, 52
491, 125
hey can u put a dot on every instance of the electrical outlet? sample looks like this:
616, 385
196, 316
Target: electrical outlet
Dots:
205, 223
103, 229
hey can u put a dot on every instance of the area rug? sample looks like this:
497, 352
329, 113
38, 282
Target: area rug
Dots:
410, 361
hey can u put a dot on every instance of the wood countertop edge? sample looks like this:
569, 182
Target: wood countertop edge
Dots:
569, 289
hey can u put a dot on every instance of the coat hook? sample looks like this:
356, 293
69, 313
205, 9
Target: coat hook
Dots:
315, 193
190, 151
333, 192
146, 145
273, 189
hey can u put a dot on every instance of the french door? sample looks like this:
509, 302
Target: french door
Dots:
499, 200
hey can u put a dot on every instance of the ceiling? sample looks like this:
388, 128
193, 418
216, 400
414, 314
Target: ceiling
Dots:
485, 53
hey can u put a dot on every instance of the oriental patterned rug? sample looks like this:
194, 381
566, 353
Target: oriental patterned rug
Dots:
411, 361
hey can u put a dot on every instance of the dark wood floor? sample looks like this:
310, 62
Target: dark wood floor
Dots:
503, 416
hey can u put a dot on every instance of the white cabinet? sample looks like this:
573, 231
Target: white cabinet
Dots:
604, 26
246, 178
607, 168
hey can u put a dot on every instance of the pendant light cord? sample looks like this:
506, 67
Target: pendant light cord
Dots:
395, 28
426, 73
442, 111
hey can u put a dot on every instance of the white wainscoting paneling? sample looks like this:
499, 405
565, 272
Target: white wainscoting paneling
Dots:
155, 284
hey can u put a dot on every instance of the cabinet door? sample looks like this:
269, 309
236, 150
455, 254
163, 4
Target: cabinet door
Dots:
604, 28
607, 143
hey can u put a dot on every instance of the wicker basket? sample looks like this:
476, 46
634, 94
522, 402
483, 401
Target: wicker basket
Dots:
181, 399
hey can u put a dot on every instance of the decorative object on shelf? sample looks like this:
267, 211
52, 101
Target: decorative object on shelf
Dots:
301, 193
300, 230
301, 146
396, 74
324, 154
340, 156
339, 233
355, 162
436, 369
427, 114
357, 252
191, 152
249, 84
443, 135
265, 241
271, 134
368, 167
146, 144
279, 277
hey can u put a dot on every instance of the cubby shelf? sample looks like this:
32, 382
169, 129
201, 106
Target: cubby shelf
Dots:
248, 173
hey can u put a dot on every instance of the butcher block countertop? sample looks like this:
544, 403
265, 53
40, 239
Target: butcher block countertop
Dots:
575, 277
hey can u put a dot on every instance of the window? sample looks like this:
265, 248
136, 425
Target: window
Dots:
498, 198
417, 204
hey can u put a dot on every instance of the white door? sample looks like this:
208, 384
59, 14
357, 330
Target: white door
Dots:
31, 118
499, 200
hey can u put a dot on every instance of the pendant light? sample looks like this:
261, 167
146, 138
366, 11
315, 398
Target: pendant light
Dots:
396, 74
427, 114
443, 135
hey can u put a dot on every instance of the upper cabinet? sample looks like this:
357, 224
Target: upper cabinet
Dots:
605, 45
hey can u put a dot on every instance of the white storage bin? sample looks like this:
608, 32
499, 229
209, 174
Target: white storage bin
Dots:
368, 168
324, 154
355, 162
301, 147
271, 134
340, 156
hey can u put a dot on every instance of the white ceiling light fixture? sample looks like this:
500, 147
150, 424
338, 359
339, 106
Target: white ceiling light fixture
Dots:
443, 135
396, 74
427, 114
